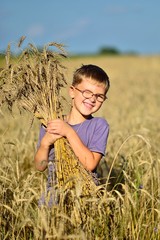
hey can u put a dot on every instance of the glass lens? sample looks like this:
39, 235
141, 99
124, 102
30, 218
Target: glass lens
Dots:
100, 98
87, 94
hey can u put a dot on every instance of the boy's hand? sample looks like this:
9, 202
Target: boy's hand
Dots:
58, 127
49, 139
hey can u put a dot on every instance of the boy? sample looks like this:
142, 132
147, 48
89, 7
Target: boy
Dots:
86, 134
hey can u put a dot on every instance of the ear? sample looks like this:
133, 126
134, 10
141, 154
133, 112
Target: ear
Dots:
72, 92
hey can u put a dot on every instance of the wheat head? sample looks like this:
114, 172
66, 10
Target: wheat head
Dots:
33, 82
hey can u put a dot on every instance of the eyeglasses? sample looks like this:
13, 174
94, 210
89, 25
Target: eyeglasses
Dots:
88, 94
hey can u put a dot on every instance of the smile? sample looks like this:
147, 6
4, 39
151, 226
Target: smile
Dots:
88, 105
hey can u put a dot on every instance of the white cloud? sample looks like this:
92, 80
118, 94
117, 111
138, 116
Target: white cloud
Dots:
74, 30
35, 30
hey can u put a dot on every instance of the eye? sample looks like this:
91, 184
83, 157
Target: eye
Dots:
87, 91
101, 97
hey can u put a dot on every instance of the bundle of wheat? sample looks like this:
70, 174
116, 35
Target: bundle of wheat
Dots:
34, 82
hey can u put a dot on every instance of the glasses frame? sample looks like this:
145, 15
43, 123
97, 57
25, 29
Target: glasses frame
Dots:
96, 95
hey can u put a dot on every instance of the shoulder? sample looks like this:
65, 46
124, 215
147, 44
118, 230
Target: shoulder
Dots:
99, 121
42, 131
42, 128
97, 124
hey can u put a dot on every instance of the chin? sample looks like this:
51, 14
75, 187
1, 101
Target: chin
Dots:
87, 114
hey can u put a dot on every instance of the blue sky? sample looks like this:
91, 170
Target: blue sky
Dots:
83, 26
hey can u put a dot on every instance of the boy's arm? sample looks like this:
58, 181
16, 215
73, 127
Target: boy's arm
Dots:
41, 156
88, 158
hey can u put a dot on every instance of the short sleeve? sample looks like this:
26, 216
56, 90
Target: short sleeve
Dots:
99, 138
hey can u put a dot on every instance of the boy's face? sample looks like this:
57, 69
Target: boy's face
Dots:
88, 96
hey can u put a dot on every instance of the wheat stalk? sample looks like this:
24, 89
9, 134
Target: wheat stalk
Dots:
34, 83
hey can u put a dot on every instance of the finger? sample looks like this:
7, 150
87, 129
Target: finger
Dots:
51, 131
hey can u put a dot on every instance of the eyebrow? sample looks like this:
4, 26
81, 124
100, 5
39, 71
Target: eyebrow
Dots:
94, 93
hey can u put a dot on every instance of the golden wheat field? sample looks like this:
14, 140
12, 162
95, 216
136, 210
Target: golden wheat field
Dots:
129, 208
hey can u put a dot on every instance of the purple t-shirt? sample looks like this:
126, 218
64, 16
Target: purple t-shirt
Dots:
93, 132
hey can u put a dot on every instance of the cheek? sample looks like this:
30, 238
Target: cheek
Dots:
98, 105
78, 98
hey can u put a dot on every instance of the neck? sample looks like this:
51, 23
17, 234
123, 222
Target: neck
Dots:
76, 118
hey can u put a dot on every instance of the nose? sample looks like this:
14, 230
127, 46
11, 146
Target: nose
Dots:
93, 98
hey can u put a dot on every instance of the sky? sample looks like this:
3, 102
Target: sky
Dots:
82, 26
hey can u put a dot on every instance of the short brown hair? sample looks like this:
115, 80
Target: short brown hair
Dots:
91, 71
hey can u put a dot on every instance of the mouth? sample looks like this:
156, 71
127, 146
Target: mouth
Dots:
88, 105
